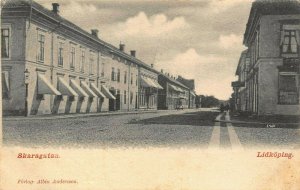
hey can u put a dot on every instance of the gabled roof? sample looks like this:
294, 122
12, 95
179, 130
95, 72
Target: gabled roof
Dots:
269, 7
172, 80
12, 4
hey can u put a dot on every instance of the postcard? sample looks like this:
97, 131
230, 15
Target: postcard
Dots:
150, 95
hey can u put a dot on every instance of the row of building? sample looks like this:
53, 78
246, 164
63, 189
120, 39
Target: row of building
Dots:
51, 66
269, 69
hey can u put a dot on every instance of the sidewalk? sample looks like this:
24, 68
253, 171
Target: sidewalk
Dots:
82, 115
259, 121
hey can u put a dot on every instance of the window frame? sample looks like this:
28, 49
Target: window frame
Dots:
39, 57
72, 56
7, 26
91, 62
125, 97
297, 87
60, 54
290, 36
82, 60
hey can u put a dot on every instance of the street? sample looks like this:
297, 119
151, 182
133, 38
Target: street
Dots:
184, 128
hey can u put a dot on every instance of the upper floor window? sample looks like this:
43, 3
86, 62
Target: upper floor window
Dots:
5, 46
113, 74
72, 57
136, 80
118, 75
125, 77
102, 69
82, 61
41, 50
288, 90
92, 62
60, 54
131, 79
289, 43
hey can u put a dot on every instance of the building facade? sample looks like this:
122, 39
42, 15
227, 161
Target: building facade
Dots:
190, 83
174, 94
271, 63
68, 70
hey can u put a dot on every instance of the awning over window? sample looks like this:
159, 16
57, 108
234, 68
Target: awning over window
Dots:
97, 90
87, 89
175, 88
78, 89
64, 88
192, 93
147, 82
5, 82
45, 87
107, 93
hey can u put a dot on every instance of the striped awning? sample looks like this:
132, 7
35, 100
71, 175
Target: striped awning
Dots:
64, 88
45, 87
175, 88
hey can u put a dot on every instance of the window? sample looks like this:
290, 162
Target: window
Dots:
5, 46
72, 57
288, 91
131, 97
102, 69
60, 54
289, 44
113, 74
136, 80
125, 97
92, 62
131, 79
118, 75
82, 61
41, 50
125, 77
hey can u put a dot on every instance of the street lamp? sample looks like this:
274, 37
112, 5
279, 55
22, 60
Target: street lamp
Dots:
26, 81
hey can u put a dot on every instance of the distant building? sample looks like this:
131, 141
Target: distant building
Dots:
269, 71
190, 83
174, 94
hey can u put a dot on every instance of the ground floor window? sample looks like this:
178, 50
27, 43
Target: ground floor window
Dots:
288, 89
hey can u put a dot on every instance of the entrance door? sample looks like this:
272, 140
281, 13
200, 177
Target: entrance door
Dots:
112, 102
118, 101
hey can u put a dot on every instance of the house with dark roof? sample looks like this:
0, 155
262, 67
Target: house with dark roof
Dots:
272, 77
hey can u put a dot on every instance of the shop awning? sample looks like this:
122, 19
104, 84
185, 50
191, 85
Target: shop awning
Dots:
175, 88
145, 82
5, 82
45, 87
158, 86
64, 88
107, 93
78, 89
87, 89
97, 90
192, 93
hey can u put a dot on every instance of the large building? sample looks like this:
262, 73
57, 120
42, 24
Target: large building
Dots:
51, 66
190, 83
269, 71
67, 70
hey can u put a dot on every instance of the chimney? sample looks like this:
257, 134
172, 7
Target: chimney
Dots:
95, 32
152, 65
122, 47
132, 53
55, 8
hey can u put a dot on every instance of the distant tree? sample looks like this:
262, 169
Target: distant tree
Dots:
208, 101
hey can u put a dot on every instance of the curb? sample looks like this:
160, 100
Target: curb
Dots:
248, 122
51, 117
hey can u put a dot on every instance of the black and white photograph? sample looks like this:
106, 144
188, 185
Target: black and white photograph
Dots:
154, 94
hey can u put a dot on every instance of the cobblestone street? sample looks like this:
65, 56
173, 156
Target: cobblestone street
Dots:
184, 128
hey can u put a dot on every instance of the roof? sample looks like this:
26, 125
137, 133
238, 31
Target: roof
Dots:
11, 4
174, 81
269, 7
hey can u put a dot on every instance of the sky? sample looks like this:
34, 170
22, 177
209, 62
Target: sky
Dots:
199, 40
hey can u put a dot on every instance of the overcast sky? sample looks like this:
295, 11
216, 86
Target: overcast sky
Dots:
199, 40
